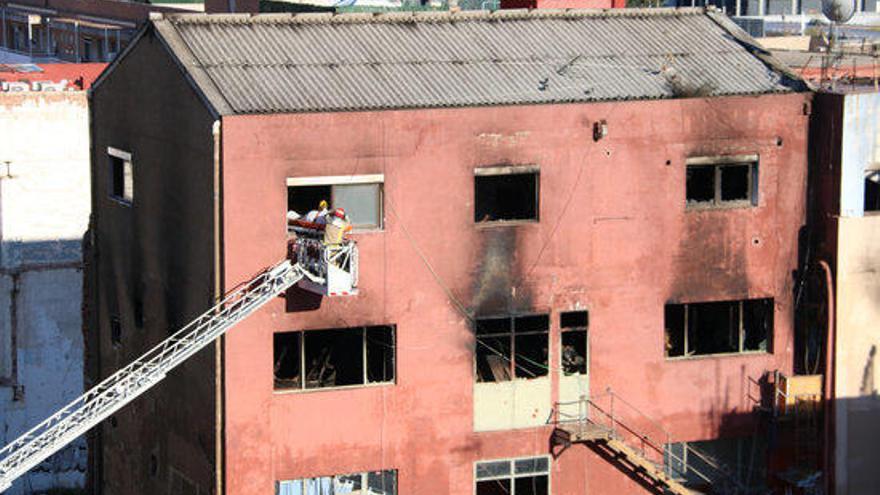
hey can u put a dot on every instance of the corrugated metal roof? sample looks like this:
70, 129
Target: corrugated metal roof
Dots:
283, 63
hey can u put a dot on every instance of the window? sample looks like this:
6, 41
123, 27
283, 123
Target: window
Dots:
334, 358
872, 188
115, 331
506, 194
121, 178
574, 342
721, 182
718, 327
374, 483
699, 464
359, 195
510, 347
529, 476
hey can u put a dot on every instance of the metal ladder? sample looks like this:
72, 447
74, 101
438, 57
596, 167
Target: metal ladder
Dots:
128, 383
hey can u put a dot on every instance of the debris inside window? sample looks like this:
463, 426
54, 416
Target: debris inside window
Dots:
718, 327
334, 357
711, 185
511, 347
573, 325
506, 197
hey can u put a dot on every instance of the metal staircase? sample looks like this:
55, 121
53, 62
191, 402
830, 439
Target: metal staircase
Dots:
128, 383
635, 442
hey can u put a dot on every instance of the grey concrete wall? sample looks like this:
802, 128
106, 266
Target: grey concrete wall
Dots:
44, 210
154, 270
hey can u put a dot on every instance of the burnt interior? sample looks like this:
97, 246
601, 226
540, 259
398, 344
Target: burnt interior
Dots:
506, 197
573, 325
303, 199
510, 347
718, 327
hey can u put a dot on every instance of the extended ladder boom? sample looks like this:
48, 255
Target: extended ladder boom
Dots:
125, 385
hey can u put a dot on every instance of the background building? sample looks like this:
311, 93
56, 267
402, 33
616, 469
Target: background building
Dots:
44, 212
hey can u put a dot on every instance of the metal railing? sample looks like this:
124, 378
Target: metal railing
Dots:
626, 423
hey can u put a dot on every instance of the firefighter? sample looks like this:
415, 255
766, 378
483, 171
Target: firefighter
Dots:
319, 215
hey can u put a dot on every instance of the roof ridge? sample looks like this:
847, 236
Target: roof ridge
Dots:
426, 16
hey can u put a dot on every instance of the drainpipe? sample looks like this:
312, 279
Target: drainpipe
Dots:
218, 296
827, 457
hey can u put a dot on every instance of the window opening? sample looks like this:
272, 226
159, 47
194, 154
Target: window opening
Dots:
529, 476
718, 327
121, 178
374, 483
872, 190
502, 196
724, 184
115, 330
573, 325
511, 347
334, 357
362, 202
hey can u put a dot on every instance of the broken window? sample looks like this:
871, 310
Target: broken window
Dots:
872, 189
121, 178
509, 347
718, 327
573, 325
700, 464
506, 194
334, 358
374, 482
722, 182
529, 476
359, 195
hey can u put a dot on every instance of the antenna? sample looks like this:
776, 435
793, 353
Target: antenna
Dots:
838, 12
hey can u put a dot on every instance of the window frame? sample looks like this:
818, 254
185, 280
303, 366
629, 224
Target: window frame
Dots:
127, 198
500, 170
718, 163
365, 364
348, 180
740, 334
512, 333
512, 473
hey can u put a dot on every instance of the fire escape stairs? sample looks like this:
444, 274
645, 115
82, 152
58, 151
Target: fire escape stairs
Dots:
603, 436
644, 450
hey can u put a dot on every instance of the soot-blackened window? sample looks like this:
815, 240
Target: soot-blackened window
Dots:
872, 190
722, 182
718, 327
334, 358
509, 347
573, 326
506, 194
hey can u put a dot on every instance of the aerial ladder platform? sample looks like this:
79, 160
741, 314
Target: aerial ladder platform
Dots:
328, 269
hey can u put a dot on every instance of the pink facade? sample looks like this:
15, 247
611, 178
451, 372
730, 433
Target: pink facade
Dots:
614, 237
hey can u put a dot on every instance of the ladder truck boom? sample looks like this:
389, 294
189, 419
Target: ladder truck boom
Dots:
104, 399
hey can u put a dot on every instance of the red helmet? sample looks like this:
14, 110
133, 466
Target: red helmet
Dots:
339, 213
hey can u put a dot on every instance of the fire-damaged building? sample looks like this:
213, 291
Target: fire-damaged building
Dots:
577, 232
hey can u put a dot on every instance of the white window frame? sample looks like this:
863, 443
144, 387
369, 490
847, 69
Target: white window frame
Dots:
348, 180
127, 197
513, 475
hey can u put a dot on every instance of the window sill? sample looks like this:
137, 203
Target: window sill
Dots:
297, 391
732, 205
121, 201
515, 380
719, 355
504, 223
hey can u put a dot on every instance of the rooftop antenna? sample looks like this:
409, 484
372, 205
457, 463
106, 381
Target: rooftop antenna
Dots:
838, 12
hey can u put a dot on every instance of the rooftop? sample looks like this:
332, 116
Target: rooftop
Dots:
77, 76
286, 63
